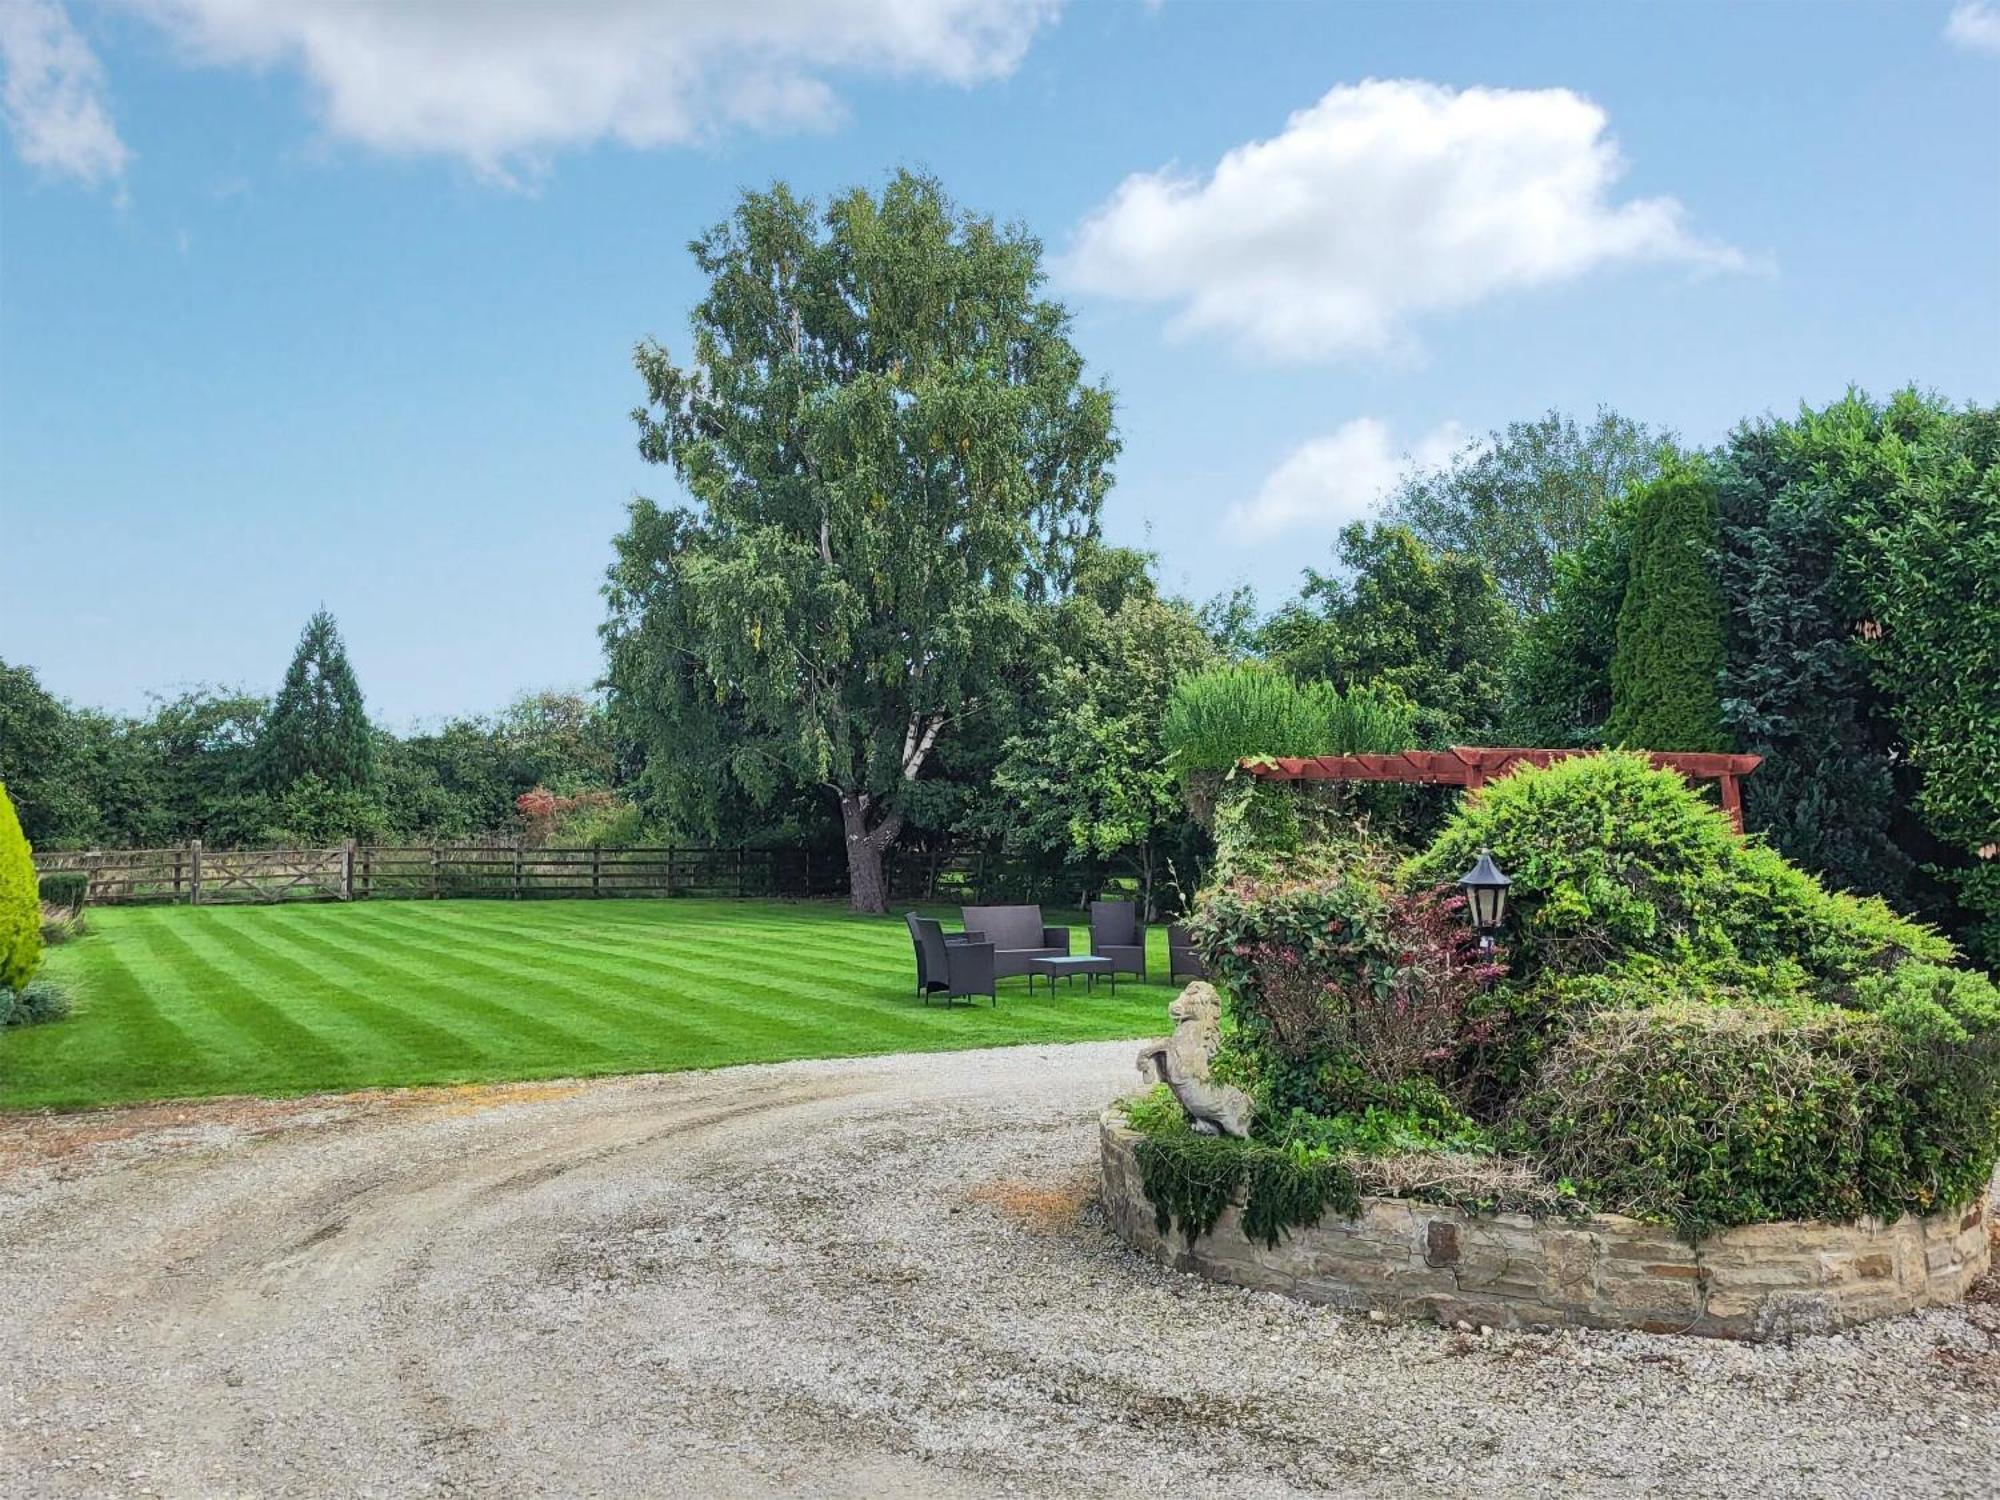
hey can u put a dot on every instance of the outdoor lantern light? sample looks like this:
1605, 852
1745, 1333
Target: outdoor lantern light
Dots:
1485, 886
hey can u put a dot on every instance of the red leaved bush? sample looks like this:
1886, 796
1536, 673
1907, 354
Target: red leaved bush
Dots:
540, 808
1389, 980
1417, 1022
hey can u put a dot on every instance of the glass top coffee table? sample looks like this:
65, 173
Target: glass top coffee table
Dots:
1087, 964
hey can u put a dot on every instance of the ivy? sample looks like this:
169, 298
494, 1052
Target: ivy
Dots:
1190, 1179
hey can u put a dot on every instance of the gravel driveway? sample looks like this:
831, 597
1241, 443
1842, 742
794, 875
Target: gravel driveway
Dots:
881, 1277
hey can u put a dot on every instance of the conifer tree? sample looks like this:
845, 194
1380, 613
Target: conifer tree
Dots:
1669, 655
318, 725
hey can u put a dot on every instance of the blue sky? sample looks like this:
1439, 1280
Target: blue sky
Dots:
324, 303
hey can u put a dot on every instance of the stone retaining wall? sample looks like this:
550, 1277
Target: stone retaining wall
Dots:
1510, 1271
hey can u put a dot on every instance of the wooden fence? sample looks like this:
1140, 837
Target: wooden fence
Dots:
192, 875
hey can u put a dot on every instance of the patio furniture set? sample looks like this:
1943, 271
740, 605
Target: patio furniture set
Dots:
1001, 942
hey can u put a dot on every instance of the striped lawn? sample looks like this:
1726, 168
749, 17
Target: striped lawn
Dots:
178, 1002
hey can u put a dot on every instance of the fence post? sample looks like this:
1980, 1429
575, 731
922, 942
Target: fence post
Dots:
347, 871
596, 869
179, 855
742, 876
670, 869
194, 872
517, 869
437, 884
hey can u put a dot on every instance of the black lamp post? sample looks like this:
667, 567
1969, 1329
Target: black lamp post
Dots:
1485, 886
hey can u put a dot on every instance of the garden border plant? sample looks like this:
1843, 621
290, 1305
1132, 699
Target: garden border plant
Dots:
1683, 1028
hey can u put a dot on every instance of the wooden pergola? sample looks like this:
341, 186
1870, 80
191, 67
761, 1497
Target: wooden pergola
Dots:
1472, 766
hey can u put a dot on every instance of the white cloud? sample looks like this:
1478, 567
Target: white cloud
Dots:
1384, 201
504, 85
53, 94
1326, 482
1975, 26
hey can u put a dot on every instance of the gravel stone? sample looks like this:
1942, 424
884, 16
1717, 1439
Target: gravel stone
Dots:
874, 1277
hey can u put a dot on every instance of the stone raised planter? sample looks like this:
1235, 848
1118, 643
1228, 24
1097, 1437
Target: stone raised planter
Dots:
1410, 1259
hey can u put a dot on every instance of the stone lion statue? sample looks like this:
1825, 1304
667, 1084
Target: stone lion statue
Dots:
1181, 1063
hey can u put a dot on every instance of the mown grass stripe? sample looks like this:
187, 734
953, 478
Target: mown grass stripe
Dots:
656, 978
122, 1001
381, 1029
468, 996
737, 976
223, 1006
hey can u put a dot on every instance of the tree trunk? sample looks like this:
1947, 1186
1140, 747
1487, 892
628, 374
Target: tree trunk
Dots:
868, 889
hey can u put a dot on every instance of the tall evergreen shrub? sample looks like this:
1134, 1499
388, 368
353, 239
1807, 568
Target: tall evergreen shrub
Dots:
1669, 654
20, 902
318, 725
1795, 686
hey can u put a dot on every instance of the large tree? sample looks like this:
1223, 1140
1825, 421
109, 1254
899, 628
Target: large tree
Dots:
893, 454
318, 725
1431, 624
1086, 779
39, 756
1526, 495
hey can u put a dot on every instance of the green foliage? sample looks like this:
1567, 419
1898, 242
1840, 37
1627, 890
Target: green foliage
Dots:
1697, 1031
318, 726
1526, 496
36, 1001
1794, 686
1219, 716
1558, 693
63, 888
1705, 1116
895, 455
1612, 859
20, 902
1190, 1179
1087, 778
1348, 998
1429, 625
1921, 554
1153, 1111
41, 758
61, 923
1669, 653
312, 810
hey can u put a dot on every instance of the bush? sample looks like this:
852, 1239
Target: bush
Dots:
36, 1001
20, 903
64, 888
1705, 1116
1612, 859
60, 924
1218, 716
1689, 1029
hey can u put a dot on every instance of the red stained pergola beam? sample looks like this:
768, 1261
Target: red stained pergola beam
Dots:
1473, 766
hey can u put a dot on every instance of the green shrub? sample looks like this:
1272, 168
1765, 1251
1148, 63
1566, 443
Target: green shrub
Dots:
60, 924
1612, 859
1705, 1115
36, 1001
1218, 716
1669, 655
64, 888
20, 902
